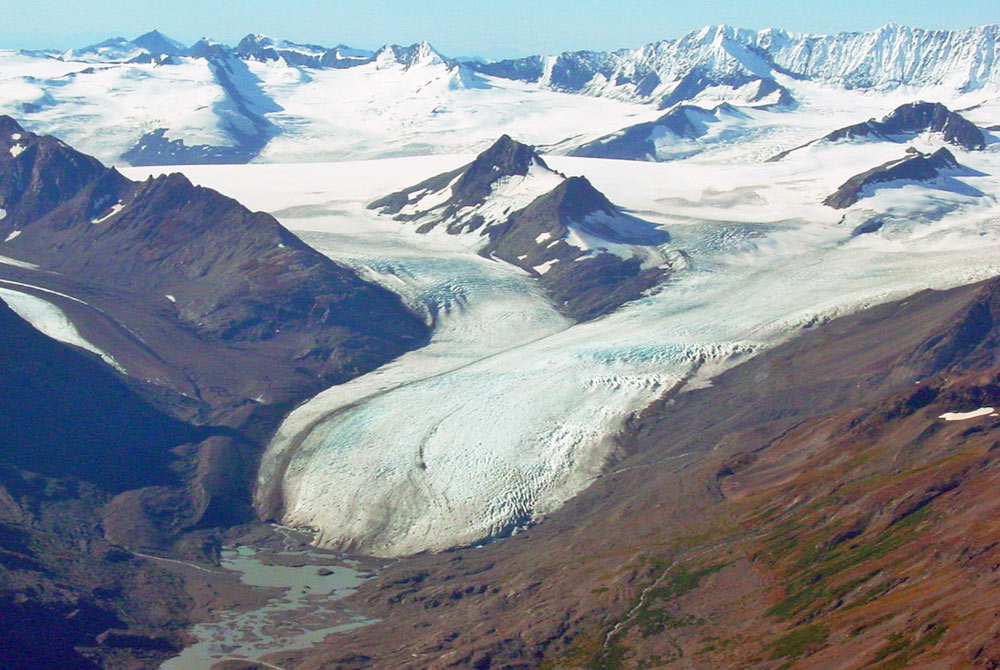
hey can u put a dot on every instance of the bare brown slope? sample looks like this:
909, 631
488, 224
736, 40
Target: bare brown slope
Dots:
223, 321
218, 314
730, 537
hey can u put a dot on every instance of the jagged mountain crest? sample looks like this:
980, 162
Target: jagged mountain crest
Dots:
670, 71
146, 47
914, 167
505, 158
505, 177
37, 173
420, 53
905, 123
158, 237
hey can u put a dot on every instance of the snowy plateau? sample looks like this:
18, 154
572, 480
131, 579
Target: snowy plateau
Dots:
512, 407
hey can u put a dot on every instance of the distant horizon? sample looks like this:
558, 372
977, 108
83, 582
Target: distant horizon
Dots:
491, 30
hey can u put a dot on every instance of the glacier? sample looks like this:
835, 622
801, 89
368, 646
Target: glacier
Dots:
511, 409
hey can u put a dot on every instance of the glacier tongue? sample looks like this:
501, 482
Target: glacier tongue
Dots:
508, 412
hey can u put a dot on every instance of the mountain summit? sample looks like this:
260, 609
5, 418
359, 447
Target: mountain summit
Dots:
589, 255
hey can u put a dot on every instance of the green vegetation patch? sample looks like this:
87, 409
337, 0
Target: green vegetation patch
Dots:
898, 649
799, 642
815, 586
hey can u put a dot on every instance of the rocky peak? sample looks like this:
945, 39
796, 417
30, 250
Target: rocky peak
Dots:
11, 132
206, 48
906, 122
39, 173
919, 117
915, 166
421, 53
159, 44
505, 158
577, 198
257, 47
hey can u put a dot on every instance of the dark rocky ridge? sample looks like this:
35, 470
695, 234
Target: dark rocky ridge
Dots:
223, 320
906, 122
584, 284
158, 44
229, 317
473, 183
914, 167
236, 276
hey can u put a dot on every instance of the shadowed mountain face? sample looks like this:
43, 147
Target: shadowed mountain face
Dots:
915, 167
915, 118
681, 126
218, 314
64, 413
811, 508
588, 255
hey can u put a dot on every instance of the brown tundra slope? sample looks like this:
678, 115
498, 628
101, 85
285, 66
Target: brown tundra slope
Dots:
808, 510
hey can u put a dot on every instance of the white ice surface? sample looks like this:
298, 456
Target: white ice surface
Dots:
13, 261
508, 411
48, 319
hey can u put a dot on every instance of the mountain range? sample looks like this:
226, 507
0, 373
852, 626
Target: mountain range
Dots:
682, 356
260, 100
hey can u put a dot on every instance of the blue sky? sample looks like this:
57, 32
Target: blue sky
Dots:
491, 28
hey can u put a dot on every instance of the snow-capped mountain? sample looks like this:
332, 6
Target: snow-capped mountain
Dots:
756, 66
146, 47
153, 101
588, 254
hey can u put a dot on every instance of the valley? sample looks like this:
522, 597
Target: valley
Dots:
681, 356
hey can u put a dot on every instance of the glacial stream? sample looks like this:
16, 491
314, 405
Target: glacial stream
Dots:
304, 611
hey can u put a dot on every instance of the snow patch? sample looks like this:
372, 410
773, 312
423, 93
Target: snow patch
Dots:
16, 149
965, 416
117, 207
49, 320
545, 267
18, 264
